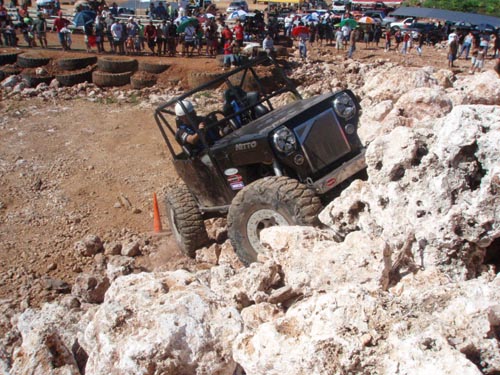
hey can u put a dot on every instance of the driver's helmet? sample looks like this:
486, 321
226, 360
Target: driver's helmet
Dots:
179, 111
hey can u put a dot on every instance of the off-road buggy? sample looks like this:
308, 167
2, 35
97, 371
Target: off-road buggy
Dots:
274, 159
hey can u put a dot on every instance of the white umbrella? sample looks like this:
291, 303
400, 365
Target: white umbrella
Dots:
237, 14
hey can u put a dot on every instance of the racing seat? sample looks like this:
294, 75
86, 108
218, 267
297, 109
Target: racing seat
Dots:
235, 98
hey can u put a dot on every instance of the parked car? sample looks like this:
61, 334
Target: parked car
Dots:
338, 6
386, 21
237, 5
403, 24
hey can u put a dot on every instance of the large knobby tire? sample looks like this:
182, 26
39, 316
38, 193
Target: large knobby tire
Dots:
69, 79
154, 68
271, 201
8, 57
32, 60
116, 64
185, 220
103, 79
76, 63
33, 80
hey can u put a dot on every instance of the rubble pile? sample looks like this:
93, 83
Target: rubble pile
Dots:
403, 278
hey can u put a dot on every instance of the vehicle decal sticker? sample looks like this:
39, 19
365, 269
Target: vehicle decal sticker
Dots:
230, 171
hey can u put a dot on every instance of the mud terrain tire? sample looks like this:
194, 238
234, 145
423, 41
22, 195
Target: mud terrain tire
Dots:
113, 64
11, 70
32, 60
140, 82
185, 219
103, 79
264, 203
154, 68
34, 80
75, 63
8, 58
74, 79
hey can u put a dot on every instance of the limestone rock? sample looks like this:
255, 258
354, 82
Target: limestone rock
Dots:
49, 341
89, 246
131, 249
168, 322
90, 288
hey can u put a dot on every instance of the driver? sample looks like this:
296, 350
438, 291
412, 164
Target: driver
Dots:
186, 135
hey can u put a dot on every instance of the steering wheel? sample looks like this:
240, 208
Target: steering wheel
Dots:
212, 119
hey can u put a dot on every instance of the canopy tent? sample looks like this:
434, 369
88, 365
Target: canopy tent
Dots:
447, 15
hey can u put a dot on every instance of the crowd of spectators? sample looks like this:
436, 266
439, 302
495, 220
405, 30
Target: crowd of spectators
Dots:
173, 31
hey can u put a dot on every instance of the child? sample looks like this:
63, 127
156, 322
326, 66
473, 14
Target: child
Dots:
479, 63
228, 54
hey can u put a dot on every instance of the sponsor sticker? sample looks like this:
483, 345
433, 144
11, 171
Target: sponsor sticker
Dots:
234, 178
230, 171
331, 181
237, 185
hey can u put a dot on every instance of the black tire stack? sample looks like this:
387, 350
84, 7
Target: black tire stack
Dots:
29, 61
114, 71
76, 70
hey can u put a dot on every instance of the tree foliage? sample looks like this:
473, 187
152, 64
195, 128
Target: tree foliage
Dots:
488, 7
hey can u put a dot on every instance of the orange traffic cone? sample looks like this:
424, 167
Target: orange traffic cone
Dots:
156, 215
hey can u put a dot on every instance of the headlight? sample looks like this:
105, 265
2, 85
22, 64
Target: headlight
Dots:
344, 106
284, 140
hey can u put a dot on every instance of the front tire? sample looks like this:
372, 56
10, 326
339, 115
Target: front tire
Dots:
271, 201
185, 220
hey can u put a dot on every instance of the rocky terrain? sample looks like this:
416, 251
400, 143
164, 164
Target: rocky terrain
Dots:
402, 278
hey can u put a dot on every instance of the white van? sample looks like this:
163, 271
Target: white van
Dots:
338, 6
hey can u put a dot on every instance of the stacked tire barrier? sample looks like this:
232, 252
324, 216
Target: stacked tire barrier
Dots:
75, 70
114, 71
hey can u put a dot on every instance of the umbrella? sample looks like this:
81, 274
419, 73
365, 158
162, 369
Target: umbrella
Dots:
349, 22
238, 14
205, 17
311, 18
185, 23
180, 19
296, 31
44, 2
83, 18
366, 19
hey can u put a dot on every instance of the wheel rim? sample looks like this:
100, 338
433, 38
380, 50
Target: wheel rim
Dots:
260, 220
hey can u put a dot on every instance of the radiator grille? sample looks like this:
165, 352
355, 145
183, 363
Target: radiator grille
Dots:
322, 140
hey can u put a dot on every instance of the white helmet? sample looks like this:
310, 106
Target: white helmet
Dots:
179, 111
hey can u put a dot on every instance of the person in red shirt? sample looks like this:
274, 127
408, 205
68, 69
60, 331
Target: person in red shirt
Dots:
59, 24
150, 36
226, 35
238, 33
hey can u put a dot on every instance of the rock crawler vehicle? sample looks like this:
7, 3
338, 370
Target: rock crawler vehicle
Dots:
275, 159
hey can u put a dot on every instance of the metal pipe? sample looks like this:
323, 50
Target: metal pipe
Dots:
276, 168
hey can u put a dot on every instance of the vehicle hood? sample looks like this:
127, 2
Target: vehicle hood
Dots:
261, 127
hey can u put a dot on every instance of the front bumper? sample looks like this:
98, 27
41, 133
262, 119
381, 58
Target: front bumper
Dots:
342, 173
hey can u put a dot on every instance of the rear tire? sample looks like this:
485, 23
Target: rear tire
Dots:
271, 201
185, 220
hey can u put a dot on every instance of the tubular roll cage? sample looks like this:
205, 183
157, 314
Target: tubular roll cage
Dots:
249, 68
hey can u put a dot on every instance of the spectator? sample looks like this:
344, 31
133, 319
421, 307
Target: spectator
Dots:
171, 39
452, 52
108, 21
479, 62
211, 37
189, 37
238, 33
161, 11
117, 35
339, 39
228, 54
40, 26
387, 37
352, 43
60, 23
150, 36
303, 38
161, 37
268, 45
466, 45
100, 32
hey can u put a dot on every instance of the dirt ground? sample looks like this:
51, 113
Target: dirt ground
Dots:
67, 167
